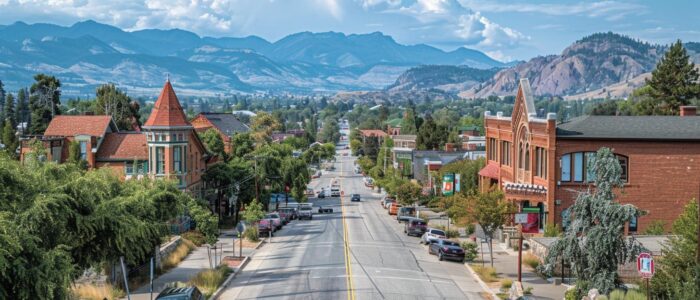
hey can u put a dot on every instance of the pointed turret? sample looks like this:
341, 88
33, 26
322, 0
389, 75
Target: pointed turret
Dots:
167, 112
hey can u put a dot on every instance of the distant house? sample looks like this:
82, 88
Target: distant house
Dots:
168, 146
225, 124
365, 133
393, 126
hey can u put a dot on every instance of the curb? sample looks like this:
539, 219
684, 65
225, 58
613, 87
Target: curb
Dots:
221, 288
233, 275
481, 282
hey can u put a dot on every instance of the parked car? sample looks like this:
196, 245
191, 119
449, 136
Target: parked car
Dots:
305, 213
181, 293
276, 220
394, 208
388, 203
405, 213
287, 213
316, 175
385, 199
322, 210
355, 198
369, 182
432, 234
415, 226
321, 194
330, 168
446, 249
265, 227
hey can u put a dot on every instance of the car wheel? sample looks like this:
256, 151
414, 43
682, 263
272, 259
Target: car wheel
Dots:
440, 256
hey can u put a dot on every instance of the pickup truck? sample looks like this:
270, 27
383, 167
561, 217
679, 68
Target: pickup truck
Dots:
305, 213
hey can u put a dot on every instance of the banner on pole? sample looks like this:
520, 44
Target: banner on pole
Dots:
448, 184
529, 221
458, 182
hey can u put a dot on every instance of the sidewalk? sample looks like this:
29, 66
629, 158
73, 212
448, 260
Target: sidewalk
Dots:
195, 262
506, 264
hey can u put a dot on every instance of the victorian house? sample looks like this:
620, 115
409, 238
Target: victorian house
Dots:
167, 145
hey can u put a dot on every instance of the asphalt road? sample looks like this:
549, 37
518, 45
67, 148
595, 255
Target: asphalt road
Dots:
366, 255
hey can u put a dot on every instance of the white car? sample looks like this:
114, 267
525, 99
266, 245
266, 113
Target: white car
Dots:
432, 235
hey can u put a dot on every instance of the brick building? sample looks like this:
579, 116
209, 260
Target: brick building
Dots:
226, 124
168, 146
541, 164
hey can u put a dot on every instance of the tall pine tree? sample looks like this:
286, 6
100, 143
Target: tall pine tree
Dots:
22, 110
673, 83
44, 102
9, 110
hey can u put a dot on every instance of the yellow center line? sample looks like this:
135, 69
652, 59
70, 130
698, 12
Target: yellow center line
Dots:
346, 245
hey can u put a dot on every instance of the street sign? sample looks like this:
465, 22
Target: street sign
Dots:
521, 218
645, 265
458, 178
448, 184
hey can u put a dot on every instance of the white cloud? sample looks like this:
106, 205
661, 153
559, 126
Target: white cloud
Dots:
610, 10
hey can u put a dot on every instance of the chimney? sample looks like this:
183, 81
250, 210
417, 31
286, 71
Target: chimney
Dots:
689, 111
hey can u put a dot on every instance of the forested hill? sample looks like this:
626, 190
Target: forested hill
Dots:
441, 77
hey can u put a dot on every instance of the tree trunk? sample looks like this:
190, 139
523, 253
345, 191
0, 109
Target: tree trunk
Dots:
491, 250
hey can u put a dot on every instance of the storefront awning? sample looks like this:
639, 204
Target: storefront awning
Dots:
490, 171
512, 187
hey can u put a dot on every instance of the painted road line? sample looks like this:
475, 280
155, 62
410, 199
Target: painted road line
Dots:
346, 246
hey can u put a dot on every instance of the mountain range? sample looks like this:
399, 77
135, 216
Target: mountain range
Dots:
88, 54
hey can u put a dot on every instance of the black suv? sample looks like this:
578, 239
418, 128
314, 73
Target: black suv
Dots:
181, 293
355, 197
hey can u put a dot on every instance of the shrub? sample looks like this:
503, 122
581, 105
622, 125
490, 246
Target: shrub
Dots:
452, 233
487, 274
635, 295
655, 228
506, 283
470, 229
552, 230
175, 257
617, 295
470, 252
251, 234
97, 292
209, 280
571, 294
602, 297
528, 290
531, 260
195, 237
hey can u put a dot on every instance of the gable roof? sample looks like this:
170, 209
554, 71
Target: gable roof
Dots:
631, 127
227, 123
167, 111
79, 125
528, 100
394, 122
123, 146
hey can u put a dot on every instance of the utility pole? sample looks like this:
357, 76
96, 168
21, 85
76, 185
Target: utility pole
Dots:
255, 168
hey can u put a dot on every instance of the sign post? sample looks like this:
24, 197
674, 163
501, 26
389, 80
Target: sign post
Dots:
645, 267
448, 184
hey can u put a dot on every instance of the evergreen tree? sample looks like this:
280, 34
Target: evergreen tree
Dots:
44, 102
9, 138
673, 83
430, 135
2, 97
408, 123
113, 102
22, 110
9, 112
594, 243
214, 143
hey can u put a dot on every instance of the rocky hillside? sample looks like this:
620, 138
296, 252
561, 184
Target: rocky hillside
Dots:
594, 62
441, 77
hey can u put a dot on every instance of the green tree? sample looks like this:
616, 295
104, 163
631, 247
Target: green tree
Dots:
295, 175
218, 178
408, 122
9, 110
214, 143
430, 135
73, 152
594, 243
490, 212
678, 272
330, 133
253, 212
114, 102
355, 146
262, 126
370, 147
22, 111
673, 83
44, 102
9, 139
242, 144
408, 193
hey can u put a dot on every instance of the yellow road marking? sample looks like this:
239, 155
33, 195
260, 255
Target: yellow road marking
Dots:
346, 245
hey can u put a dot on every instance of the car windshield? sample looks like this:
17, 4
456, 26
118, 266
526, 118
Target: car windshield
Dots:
305, 208
437, 232
449, 243
272, 216
356, 195
418, 223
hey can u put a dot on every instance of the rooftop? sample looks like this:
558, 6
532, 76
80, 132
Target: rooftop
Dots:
394, 122
631, 127
373, 132
79, 125
225, 122
123, 146
167, 110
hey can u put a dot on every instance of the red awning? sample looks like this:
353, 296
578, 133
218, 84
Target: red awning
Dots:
491, 171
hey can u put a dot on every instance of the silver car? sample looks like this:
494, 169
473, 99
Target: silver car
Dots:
431, 235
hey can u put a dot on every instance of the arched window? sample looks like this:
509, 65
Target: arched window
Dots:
520, 156
527, 157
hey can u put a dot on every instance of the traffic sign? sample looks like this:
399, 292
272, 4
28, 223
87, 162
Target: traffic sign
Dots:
645, 265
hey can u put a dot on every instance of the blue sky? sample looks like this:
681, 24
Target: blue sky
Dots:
504, 29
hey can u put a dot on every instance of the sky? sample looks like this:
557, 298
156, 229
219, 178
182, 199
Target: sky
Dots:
504, 29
